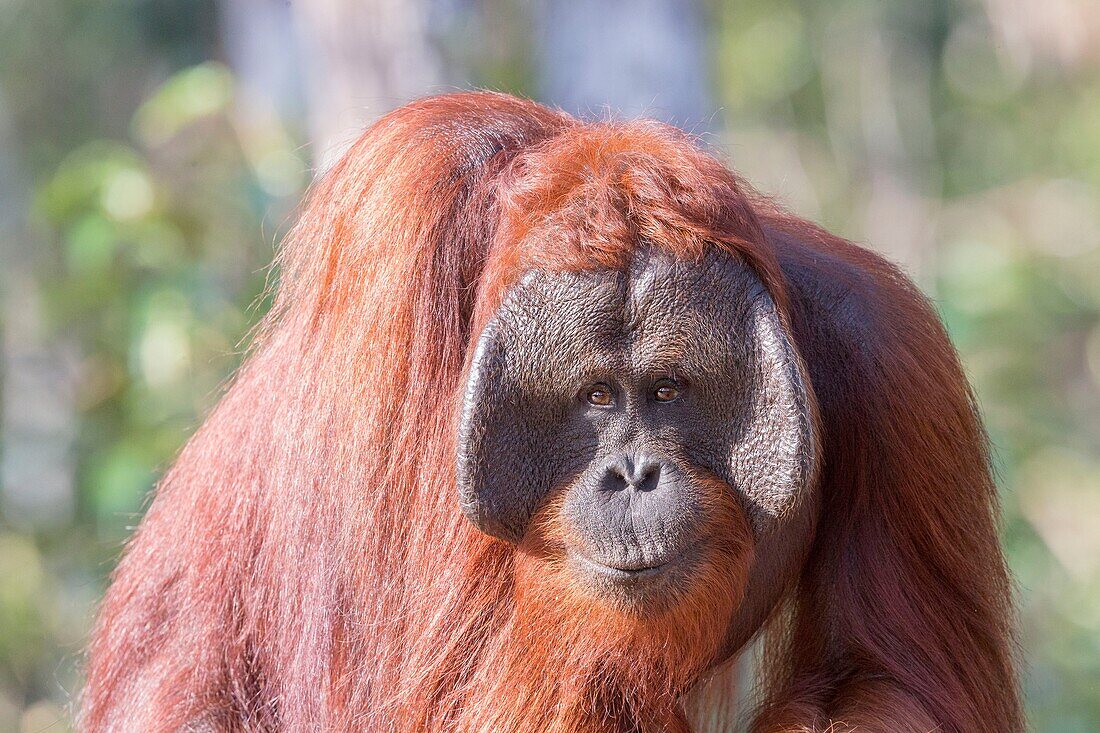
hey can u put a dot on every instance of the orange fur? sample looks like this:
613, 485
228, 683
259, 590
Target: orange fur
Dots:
304, 565
567, 659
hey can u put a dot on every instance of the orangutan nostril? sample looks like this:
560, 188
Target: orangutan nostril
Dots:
641, 472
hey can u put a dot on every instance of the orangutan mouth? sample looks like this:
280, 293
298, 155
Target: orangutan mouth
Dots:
622, 572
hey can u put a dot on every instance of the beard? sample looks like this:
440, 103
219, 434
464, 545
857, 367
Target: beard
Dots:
572, 659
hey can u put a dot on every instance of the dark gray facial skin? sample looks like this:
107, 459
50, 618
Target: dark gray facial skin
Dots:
630, 465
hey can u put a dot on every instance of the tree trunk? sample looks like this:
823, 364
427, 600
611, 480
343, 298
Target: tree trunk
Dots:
362, 58
635, 57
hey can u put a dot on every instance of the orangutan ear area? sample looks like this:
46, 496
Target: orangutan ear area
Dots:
550, 420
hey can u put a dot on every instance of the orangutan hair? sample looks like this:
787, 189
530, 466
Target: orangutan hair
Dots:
307, 564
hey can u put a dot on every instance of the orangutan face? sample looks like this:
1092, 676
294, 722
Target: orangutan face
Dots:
630, 413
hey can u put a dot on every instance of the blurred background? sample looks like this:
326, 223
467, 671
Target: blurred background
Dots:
152, 153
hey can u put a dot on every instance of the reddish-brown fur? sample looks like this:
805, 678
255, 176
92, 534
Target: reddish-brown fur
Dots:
305, 567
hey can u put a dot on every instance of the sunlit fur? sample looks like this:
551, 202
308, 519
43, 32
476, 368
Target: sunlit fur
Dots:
304, 565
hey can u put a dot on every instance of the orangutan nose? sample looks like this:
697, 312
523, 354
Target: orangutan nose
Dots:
640, 471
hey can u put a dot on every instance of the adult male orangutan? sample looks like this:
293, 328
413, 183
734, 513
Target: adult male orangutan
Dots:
549, 420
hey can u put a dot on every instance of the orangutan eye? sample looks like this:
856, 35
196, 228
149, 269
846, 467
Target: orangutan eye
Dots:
599, 394
666, 390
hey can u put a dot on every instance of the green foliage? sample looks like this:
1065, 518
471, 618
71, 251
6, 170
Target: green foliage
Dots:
159, 260
152, 224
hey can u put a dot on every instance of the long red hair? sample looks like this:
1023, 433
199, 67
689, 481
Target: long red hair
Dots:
304, 565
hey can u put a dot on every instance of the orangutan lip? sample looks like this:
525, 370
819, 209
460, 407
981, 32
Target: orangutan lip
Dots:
617, 572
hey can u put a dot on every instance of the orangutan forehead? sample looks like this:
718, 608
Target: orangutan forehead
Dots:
659, 312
